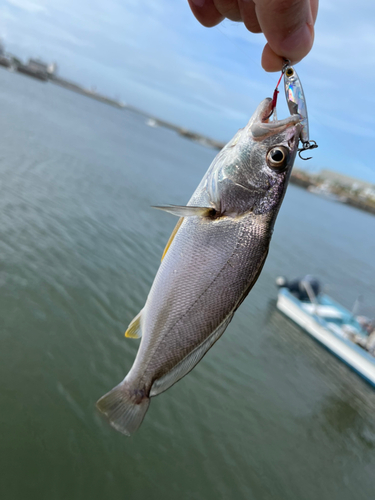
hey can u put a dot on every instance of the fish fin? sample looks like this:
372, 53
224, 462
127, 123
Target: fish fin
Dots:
124, 408
187, 364
171, 238
182, 211
134, 330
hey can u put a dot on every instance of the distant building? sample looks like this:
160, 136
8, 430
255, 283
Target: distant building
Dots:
5, 60
34, 68
38, 69
350, 182
37, 66
369, 193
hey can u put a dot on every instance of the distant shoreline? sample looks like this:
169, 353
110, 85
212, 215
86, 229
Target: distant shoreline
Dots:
89, 93
303, 180
79, 89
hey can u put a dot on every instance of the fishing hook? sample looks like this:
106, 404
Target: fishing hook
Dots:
305, 147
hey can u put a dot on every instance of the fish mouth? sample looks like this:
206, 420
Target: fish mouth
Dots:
261, 126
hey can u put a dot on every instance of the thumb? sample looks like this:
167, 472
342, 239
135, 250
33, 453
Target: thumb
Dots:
288, 26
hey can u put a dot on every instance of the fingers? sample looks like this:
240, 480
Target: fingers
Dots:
212, 12
206, 12
249, 17
229, 9
288, 26
270, 60
314, 9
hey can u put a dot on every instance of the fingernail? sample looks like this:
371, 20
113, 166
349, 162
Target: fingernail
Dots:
198, 3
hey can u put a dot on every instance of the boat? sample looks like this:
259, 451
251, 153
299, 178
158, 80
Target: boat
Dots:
334, 327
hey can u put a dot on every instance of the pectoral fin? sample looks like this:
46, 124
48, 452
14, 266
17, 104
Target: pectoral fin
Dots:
171, 238
134, 330
182, 211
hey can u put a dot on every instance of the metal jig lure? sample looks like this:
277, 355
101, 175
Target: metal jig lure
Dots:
296, 101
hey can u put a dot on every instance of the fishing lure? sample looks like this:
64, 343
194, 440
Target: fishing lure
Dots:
296, 101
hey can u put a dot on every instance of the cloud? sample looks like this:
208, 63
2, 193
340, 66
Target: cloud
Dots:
66, 37
28, 5
344, 124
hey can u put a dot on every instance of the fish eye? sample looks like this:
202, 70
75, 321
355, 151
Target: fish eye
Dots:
277, 157
289, 72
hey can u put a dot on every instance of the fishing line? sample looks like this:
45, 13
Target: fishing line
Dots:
275, 95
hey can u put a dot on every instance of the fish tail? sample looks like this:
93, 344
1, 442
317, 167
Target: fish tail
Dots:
125, 407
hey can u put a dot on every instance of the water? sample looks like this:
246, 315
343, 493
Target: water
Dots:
267, 414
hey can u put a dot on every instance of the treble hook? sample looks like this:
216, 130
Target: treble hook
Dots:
305, 147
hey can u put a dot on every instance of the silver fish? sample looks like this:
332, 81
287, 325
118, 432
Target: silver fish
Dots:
210, 264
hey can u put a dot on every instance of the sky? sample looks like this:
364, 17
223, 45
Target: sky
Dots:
154, 55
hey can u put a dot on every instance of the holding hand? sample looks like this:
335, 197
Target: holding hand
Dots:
288, 25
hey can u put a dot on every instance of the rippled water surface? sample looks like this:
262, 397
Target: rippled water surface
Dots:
268, 413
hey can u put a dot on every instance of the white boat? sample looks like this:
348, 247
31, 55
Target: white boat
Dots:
333, 326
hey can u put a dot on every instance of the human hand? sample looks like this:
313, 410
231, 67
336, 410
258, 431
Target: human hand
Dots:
288, 25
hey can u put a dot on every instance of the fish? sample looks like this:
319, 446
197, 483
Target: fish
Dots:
211, 262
